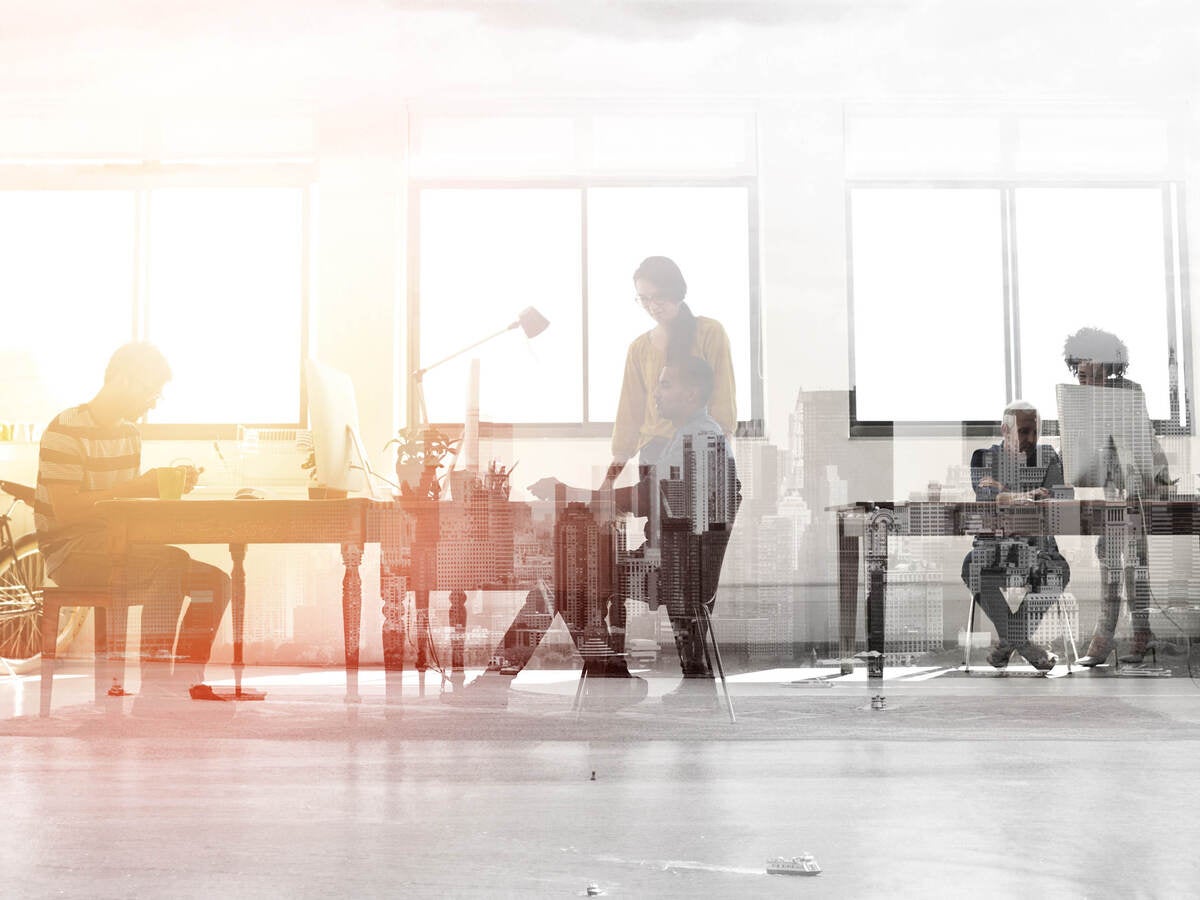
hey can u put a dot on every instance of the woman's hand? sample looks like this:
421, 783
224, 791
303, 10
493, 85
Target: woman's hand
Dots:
544, 488
615, 468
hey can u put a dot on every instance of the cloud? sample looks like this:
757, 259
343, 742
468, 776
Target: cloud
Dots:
652, 19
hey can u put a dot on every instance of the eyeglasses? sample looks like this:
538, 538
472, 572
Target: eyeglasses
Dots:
653, 300
152, 393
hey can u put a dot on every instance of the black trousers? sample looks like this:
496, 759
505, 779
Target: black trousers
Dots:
993, 565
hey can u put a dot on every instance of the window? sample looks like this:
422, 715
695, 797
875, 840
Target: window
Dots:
554, 208
962, 295
928, 304
224, 303
213, 275
485, 256
485, 253
1093, 256
704, 230
67, 279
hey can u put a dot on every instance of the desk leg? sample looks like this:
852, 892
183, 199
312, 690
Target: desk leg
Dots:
422, 611
425, 563
352, 616
877, 561
394, 584
237, 575
848, 551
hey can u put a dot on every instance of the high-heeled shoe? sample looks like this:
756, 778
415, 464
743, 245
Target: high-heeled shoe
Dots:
1100, 649
1038, 657
1143, 643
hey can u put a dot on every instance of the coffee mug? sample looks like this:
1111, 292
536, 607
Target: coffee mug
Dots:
171, 480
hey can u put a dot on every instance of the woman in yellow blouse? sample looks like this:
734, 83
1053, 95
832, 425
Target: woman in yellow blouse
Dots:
677, 334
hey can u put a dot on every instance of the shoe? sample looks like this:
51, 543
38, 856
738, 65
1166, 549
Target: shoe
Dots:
1143, 643
613, 667
606, 693
1098, 651
693, 693
1038, 657
156, 698
203, 692
489, 691
1000, 654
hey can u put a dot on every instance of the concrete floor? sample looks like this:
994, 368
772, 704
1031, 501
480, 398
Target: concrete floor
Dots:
1080, 786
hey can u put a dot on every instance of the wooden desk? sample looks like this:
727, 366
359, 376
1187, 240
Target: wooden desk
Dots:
241, 522
864, 529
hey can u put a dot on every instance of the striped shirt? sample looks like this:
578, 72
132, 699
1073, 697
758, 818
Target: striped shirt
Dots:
77, 453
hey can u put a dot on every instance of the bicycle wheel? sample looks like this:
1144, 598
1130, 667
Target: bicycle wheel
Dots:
22, 576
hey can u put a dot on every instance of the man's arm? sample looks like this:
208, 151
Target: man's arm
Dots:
71, 505
1054, 469
989, 488
626, 499
985, 486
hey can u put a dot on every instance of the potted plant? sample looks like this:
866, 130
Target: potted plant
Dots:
419, 454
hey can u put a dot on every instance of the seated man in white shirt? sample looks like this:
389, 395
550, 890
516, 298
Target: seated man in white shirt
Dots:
1017, 470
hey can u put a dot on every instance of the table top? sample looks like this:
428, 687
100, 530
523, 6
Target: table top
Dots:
1181, 501
248, 521
1176, 515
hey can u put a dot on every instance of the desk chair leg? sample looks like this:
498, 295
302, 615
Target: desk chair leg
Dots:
49, 629
717, 654
100, 653
1069, 649
580, 689
970, 636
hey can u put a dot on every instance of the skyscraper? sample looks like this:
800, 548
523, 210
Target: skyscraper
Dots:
582, 567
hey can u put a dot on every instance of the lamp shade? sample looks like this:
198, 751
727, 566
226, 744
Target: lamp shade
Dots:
532, 322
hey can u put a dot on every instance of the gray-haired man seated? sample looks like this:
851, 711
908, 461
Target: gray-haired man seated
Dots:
1017, 470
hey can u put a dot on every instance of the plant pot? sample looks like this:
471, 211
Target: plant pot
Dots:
409, 473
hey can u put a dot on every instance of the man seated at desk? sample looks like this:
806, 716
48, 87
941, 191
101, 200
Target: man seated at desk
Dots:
1017, 470
91, 453
690, 498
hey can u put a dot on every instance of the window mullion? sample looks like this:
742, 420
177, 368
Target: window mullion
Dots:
1012, 330
1179, 224
412, 360
139, 321
306, 234
583, 283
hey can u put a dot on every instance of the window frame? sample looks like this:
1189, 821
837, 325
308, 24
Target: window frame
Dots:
141, 178
752, 426
1178, 300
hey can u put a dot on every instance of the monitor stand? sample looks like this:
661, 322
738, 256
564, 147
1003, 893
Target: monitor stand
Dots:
354, 443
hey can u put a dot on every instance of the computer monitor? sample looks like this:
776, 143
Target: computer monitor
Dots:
1107, 438
333, 418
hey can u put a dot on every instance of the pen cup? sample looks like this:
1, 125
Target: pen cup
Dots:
170, 482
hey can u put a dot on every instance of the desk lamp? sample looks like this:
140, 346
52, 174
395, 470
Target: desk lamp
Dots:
529, 320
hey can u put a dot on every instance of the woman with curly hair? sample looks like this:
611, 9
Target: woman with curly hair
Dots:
1099, 358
